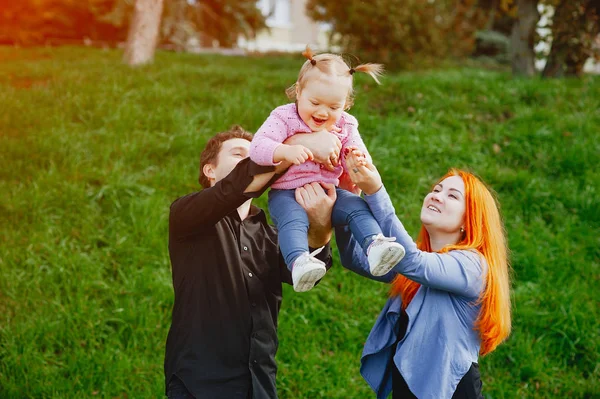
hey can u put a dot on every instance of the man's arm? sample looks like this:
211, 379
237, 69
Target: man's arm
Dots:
206, 207
264, 180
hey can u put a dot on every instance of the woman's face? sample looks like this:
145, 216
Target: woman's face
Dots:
444, 207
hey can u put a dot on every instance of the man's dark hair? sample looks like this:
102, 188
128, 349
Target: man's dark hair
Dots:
211, 151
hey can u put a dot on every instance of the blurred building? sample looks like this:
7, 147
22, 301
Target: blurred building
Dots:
290, 29
592, 65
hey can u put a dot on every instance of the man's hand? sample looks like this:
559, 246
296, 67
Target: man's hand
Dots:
324, 146
317, 199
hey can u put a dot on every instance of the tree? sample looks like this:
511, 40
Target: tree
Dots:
178, 27
214, 23
523, 38
222, 22
143, 32
575, 26
500, 15
35, 22
397, 32
493, 41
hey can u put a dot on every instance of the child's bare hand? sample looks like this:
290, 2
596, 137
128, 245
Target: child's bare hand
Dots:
356, 155
297, 154
362, 173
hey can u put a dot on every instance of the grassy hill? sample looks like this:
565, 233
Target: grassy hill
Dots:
92, 153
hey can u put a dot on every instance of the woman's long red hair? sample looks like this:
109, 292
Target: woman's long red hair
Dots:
484, 232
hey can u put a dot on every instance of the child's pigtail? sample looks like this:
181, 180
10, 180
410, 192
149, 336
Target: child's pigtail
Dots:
291, 91
374, 70
308, 53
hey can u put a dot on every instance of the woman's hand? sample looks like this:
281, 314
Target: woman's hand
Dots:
361, 172
325, 146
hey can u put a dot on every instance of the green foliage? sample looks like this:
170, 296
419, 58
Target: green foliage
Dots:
400, 32
501, 15
215, 22
27, 22
94, 152
223, 21
492, 44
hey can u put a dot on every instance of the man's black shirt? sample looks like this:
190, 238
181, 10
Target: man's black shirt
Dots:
227, 276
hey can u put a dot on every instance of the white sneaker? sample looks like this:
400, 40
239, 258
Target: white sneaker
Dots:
307, 270
383, 254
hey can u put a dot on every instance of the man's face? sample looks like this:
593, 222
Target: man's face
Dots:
231, 153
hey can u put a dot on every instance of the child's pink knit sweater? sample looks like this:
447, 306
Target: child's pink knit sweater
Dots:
284, 122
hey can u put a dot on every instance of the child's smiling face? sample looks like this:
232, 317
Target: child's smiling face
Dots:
322, 100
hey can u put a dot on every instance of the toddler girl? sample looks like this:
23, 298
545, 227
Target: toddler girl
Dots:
323, 92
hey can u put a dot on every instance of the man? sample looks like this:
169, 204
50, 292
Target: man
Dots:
227, 276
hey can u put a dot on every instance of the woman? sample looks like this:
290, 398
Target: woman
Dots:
449, 299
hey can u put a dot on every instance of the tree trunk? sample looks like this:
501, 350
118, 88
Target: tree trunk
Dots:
574, 28
523, 38
143, 32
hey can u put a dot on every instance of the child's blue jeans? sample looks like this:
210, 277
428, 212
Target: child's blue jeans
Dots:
292, 221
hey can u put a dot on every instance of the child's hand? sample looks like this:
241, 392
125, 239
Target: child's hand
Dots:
297, 154
361, 172
356, 156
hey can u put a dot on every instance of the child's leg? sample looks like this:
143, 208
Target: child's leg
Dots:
383, 253
350, 209
292, 224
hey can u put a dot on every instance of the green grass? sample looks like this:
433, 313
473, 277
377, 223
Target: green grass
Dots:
92, 153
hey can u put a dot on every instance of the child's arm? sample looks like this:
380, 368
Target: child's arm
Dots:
267, 146
294, 154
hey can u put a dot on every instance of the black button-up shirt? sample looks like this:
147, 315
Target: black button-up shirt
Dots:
227, 278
